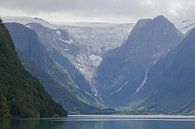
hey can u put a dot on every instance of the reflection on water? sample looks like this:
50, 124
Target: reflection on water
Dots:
93, 123
29, 124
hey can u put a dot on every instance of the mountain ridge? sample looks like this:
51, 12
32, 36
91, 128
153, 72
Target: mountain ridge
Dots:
125, 68
56, 81
19, 89
173, 76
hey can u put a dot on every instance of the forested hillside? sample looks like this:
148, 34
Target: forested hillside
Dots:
21, 95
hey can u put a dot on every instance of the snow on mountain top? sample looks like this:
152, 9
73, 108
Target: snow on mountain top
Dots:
94, 24
24, 20
93, 39
185, 26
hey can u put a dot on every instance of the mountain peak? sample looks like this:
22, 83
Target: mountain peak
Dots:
154, 27
161, 19
142, 22
157, 21
25, 20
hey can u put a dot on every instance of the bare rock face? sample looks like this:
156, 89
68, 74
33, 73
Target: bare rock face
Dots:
170, 86
123, 71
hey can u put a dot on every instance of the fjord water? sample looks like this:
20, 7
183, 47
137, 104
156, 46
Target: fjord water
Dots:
101, 122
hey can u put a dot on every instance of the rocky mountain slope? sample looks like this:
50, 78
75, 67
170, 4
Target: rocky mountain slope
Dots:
21, 95
54, 77
170, 86
146, 68
185, 26
84, 44
124, 71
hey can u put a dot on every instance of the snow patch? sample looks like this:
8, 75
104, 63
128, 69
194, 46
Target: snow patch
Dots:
144, 81
70, 41
96, 59
66, 49
185, 26
119, 89
58, 33
101, 100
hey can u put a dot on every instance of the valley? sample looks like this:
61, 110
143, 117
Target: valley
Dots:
105, 67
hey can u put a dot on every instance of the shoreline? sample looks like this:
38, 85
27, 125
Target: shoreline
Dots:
138, 116
114, 118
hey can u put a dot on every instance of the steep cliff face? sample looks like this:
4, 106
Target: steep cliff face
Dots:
60, 46
53, 76
152, 71
170, 86
123, 71
21, 95
83, 44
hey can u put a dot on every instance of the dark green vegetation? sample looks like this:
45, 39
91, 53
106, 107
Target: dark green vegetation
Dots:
152, 73
55, 75
21, 95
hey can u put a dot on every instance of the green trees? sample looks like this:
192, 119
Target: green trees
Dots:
21, 95
4, 111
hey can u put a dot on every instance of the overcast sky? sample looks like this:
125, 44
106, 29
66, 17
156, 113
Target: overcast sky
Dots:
98, 10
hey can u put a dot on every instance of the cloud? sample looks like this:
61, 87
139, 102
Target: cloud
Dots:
100, 10
147, 2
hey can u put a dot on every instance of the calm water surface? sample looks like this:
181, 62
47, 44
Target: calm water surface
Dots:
101, 122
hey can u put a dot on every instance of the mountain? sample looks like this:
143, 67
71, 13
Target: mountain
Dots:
94, 40
185, 26
83, 45
54, 77
170, 86
24, 20
124, 71
21, 95
61, 48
